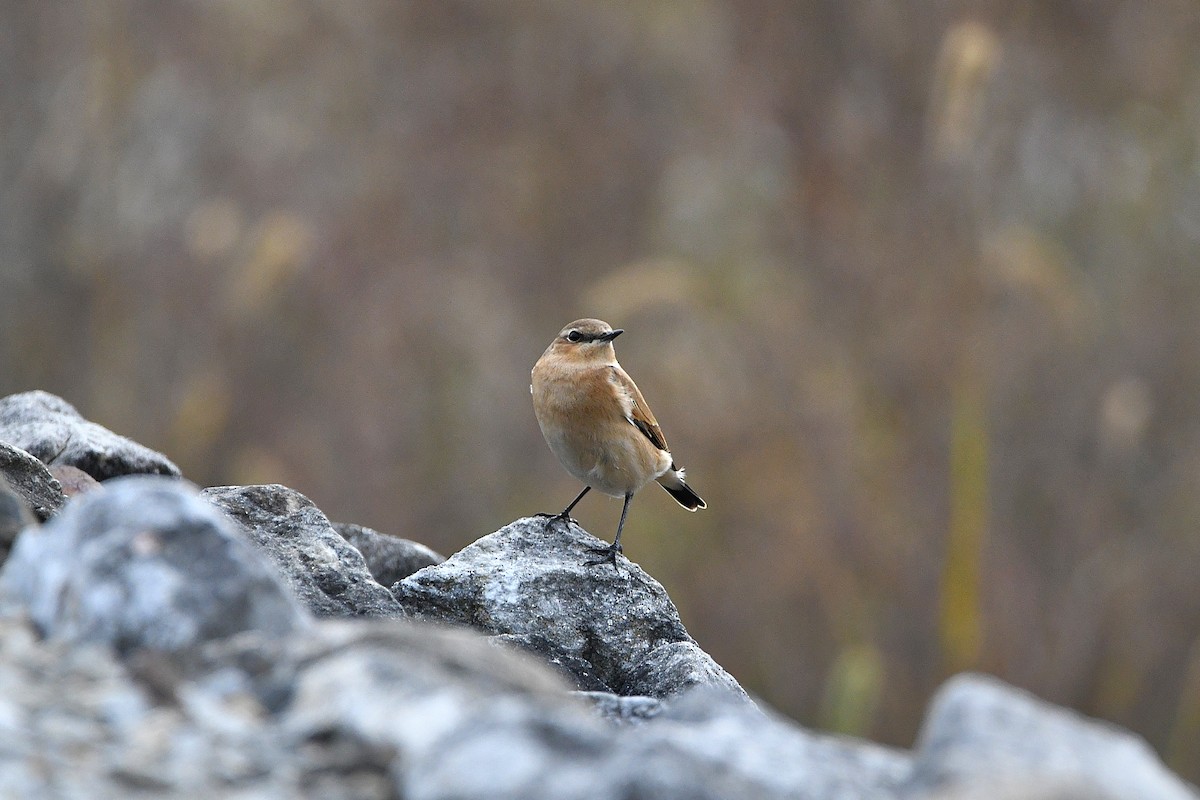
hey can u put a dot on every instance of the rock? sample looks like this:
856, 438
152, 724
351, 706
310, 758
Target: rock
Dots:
73, 480
324, 571
392, 708
144, 563
1022, 789
389, 558
14, 518
368, 709
610, 629
615, 708
385, 708
31, 481
750, 753
75, 722
50, 429
462, 720
573, 666
981, 732
177, 663
673, 667
447, 715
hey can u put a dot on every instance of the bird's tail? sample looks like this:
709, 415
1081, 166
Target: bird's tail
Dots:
672, 481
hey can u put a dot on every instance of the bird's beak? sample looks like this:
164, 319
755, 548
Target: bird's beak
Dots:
608, 337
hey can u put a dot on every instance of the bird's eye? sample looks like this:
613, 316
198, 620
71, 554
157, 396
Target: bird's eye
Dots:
574, 336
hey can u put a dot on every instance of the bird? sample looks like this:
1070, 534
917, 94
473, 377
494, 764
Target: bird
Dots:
597, 423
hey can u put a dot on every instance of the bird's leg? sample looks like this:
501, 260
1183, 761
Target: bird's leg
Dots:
608, 555
565, 514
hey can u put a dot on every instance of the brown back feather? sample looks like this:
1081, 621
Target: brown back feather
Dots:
641, 416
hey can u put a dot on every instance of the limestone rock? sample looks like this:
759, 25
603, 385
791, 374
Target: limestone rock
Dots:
144, 564
754, 753
384, 708
324, 571
981, 732
14, 518
79, 724
611, 629
389, 558
50, 429
150, 645
29, 479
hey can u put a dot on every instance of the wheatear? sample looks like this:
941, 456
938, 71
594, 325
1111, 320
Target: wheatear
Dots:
599, 425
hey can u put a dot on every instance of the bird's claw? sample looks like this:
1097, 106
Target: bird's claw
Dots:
608, 555
562, 517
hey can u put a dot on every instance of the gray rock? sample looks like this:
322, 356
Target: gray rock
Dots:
1018, 788
758, 754
362, 709
450, 717
610, 629
373, 709
77, 724
575, 667
458, 719
674, 667
446, 714
31, 481
144, 563
389, 558
393, 708
14, 517
324, 571
178, 665
50, 429
615, 708
73, 480
981, 732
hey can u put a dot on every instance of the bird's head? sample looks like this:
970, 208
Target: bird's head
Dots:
586, 340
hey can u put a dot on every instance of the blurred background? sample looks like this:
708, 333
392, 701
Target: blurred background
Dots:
912, 286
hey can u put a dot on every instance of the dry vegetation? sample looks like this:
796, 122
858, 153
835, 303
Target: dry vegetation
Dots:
913, 288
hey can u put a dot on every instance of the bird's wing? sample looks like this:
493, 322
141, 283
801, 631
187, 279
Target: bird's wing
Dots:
637, 411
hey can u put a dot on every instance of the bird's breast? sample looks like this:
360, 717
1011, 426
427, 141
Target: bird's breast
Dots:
585, 424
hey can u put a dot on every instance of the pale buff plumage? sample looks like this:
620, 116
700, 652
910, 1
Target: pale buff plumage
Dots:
598, 424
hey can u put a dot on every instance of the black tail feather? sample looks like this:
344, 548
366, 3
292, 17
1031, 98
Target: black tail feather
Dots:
684, 495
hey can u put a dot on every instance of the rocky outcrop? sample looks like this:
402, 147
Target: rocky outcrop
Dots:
980, 732
145, 564
29, 479
14, 517
50, 429
611, 630
327, 574
389, 558
156, 640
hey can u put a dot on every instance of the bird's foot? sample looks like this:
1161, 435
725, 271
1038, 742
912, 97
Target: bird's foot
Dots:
562, 517
608, 555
